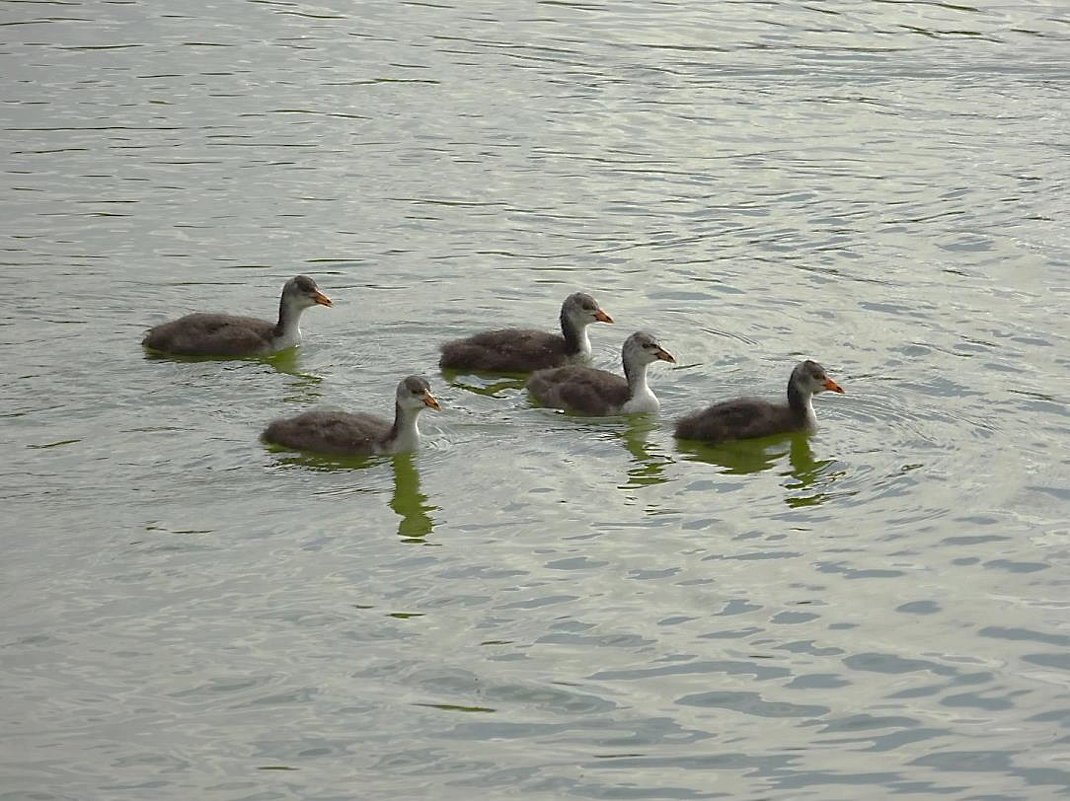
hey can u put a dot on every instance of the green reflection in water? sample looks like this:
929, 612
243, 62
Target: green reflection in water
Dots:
739, 457
407, 500
648, 463
808, 476
305, 388
321, 462
808, 479
284, 361
409, 503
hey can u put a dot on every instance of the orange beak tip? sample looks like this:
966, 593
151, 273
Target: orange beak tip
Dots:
322, 299
602, 317
830, 384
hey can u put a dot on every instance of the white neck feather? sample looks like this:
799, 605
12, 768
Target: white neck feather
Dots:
408, 438
642, 399
811, 418
585, 343
291, 329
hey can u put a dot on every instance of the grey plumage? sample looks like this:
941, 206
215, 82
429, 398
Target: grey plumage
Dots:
521, 350
201, 334
592, 391
356, 434
745, 418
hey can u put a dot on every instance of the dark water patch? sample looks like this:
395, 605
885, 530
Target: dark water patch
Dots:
728, 668
1027, 635
534, 603
1061, 716
1016, 567
752, 704
628, 641
865, 722
980, 539
859, 573
891, 664
919, 608
817, 681
1059, 661
732, 634
574, 563
797, 780
793, 618
809, 648
737, 606
994, 762
977, 701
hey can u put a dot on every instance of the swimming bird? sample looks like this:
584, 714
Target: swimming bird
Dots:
345, 434
744, 418
229, 335
521, 350
590, 391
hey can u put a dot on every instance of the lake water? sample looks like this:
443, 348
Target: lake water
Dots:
538, 606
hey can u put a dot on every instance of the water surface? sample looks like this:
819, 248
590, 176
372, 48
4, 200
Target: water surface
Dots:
536, 605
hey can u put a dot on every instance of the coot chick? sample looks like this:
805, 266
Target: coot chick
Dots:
521, 350
229, 335
744, 418
345, 434
591, 391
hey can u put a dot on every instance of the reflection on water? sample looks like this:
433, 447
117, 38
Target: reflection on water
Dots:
409, 503
810, 476
677, 621
284, 361
407, 500
808, 479
647, 464
159, 356
739, 457
320, 462
494, 385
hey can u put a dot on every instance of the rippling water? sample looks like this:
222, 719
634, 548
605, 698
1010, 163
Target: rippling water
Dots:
536, 605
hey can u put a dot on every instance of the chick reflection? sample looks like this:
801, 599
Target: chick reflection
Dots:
757, 455
284, 361
287, 362
808, 472
737, 457
492, 386
408, 502
648, 467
